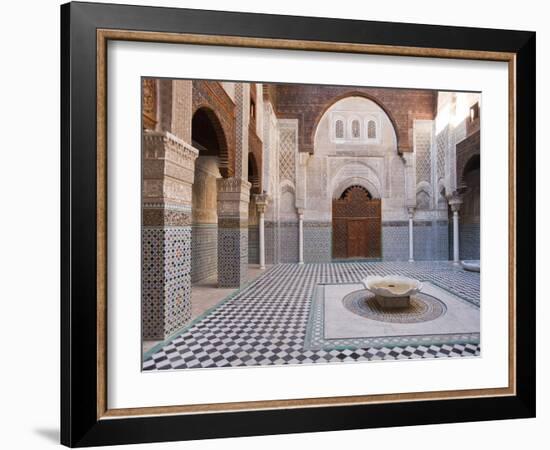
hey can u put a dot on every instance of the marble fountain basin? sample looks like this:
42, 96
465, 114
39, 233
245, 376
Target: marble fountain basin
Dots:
392, 291
471, 265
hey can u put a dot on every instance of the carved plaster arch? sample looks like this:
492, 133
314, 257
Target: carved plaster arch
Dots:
357, 172
424, 190
287, 186
340, 188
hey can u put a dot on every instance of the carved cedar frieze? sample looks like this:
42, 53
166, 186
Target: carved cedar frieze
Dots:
149, 100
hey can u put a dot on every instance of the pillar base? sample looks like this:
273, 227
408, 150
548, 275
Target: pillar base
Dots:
166, 279
233, 198
232, 254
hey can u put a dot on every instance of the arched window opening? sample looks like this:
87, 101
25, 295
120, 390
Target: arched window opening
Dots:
355, 129
371, 129
339, 129
252, 110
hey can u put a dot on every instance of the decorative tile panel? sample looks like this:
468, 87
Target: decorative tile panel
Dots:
288, 232
469, 241
166, 282
431, 240
204, 251
232, 256
253, 244
395, 241
422, 148
441, 142
287, 154
317, 242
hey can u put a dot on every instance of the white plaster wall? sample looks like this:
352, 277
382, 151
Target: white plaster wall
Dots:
229, 87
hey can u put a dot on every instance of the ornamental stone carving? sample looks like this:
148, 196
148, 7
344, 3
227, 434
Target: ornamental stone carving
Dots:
168, 168
233, 197
149, 96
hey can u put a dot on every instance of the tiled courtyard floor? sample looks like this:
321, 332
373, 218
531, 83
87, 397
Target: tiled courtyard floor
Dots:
205, 295
265, 323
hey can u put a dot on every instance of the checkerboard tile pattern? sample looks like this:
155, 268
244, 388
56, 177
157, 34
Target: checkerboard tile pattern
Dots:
265, 323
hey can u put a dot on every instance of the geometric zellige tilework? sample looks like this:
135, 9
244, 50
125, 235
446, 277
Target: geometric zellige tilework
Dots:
204, 251
317, 242
253, 244
422, 144
431, 241
288, 250
287, 154
469, 240
441, 142
395, 242
166, 281
232, 256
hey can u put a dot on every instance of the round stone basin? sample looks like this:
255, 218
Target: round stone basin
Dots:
392, 291
471, 265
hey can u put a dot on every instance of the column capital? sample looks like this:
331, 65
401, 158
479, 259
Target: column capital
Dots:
410, 211
261, 201
455, 204
233, 185
455, 200
168, 168
300, 212
233, 197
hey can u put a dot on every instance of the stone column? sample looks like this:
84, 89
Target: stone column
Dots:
261, 205
411, 236
455, 201
300, 235
233, 198
168, 172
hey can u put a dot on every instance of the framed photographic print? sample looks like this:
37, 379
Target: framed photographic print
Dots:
276, 224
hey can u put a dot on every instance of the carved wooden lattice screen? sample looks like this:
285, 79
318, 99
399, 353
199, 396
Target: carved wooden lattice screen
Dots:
356, 225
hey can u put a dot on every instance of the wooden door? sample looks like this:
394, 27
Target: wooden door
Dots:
356, 225
357, 239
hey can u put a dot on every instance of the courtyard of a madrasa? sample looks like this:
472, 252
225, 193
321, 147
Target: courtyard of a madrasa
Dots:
268, 209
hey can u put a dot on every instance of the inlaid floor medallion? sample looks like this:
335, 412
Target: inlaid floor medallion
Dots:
422, 308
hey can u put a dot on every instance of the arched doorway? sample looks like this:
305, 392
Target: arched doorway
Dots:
253, 219
469, 211
356, 224
208, 137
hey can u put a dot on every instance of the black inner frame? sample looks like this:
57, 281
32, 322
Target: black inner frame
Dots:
79, 424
